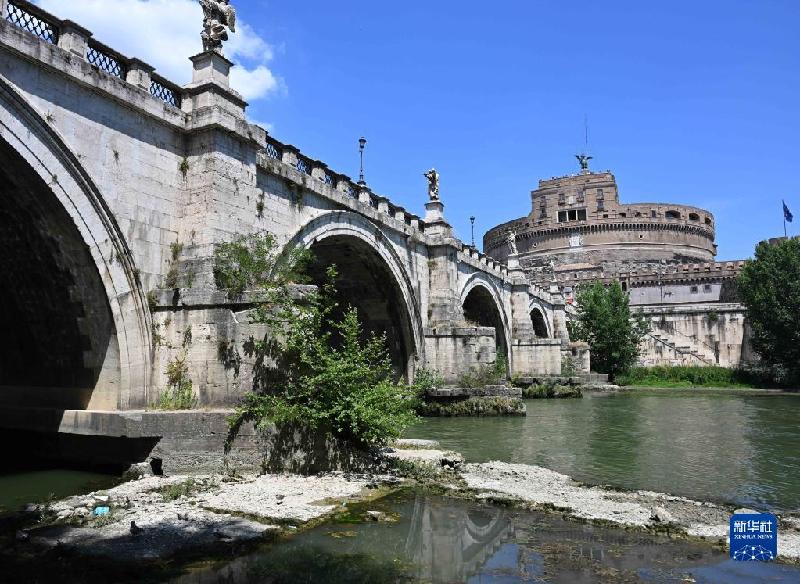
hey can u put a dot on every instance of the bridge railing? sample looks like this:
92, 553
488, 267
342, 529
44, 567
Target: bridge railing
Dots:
340, 183
106, 59
32, 18
76, 39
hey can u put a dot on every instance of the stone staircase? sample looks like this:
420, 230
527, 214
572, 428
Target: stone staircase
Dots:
680, 350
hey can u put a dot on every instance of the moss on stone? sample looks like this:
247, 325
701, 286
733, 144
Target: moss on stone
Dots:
474, 406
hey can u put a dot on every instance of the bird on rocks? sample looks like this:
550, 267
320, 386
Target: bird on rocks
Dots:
135, 529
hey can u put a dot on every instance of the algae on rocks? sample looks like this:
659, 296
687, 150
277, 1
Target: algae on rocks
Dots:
474, 406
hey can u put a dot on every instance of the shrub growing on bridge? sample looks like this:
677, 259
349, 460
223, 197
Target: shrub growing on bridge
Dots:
311, 368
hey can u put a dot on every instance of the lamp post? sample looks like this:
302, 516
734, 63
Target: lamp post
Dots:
472, 228
361, 143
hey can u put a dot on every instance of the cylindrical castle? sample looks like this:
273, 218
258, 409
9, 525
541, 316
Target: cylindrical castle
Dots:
578, 225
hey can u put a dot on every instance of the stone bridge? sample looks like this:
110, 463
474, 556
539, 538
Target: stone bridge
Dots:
117, 184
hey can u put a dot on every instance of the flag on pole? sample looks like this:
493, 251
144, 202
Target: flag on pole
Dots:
787, 214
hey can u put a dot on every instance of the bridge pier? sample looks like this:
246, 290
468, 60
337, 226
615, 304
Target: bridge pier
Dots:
128, 182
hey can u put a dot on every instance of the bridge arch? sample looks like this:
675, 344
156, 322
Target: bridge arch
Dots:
74, 255
483, 305
542, 327
373, 278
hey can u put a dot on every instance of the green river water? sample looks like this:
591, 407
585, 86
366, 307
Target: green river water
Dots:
721, 445
724, 445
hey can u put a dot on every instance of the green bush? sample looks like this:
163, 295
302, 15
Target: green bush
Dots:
178, 395
313, 368
491, 374
689, 376
604, 320
475, 406
425, 380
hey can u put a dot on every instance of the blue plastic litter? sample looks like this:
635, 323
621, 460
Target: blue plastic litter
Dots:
101, 511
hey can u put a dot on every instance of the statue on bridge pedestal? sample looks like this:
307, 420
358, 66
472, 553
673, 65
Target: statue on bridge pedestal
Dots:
218, 15
433, 184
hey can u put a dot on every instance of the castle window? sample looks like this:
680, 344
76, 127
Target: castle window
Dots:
562, 198
581, 197
562, 216
601, 206
694, 217
581, 214
543, 211
600, 195
707, 288
653, 214
605, 216
623, 214
672, 215
573, 215
693, 289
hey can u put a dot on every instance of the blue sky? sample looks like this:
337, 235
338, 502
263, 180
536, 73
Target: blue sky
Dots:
688, 102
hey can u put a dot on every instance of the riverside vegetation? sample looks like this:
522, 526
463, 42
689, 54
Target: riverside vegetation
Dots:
313, 368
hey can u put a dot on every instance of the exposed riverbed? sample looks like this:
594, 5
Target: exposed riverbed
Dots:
725, 446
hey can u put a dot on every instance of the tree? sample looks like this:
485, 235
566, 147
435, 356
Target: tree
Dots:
769, 287
604, 320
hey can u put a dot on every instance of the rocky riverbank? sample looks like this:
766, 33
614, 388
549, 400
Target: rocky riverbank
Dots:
154, 518
541, 488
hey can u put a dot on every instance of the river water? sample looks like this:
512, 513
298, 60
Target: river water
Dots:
449, 541
726, 445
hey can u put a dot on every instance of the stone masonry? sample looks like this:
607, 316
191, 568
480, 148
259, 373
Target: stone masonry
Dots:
117, 186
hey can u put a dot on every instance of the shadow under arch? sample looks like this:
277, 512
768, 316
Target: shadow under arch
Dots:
482, 306
372, 278
45, 181
541, 327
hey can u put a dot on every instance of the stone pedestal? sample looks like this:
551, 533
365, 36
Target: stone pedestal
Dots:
434, 212
210, 66
210, 86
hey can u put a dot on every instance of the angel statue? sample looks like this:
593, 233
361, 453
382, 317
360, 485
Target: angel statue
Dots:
583, 160
217, 16
511, 238
433, 184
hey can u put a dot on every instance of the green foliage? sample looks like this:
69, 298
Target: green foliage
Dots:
568, 366
491, 374
769, 286
313, 368
551, 390
684, 376
425, 380
178, 490
175, 248
333, 379
252, 262
171, 278
604, 320
152, 300
178, 394
474, 406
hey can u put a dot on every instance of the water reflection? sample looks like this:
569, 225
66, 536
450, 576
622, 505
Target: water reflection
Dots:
450, 541
711, 446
